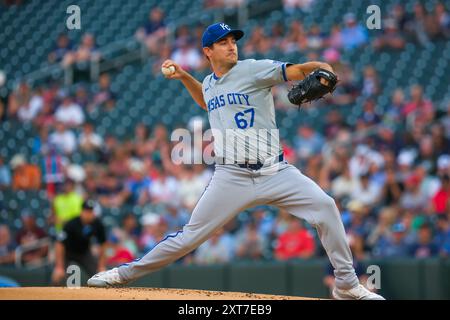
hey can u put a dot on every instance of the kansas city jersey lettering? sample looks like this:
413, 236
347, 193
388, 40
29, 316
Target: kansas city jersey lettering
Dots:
228, 98
240, 106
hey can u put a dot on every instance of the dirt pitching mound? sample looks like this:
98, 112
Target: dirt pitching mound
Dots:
84, 293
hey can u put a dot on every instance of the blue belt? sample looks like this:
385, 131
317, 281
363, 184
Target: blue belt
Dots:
254, 166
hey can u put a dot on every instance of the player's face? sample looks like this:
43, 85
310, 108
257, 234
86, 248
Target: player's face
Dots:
225, 51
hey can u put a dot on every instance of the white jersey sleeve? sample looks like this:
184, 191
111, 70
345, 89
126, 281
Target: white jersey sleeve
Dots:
268, 73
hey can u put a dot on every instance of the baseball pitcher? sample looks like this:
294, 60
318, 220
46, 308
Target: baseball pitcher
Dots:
250, 169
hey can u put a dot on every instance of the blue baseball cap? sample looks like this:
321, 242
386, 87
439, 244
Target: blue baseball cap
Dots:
217, 31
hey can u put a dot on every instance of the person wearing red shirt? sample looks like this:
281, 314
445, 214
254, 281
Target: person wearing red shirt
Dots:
295, 242
441, 200
418, 103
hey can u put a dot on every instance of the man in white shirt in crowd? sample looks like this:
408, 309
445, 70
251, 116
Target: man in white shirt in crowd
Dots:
64, 140
69, 113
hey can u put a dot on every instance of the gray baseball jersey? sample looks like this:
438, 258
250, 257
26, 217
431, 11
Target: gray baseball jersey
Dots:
240, 103
241, 110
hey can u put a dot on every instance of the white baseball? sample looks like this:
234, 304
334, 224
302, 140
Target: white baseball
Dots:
168, 71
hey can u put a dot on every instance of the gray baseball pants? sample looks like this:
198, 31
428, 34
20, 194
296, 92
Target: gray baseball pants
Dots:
233, 189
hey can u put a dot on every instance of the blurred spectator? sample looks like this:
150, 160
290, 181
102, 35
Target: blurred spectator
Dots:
2, 111
249, 243
276, 36
370, 116
28, 112
66, 205
137, 184
164, 54
293, 6
280, 224
347, 91
335, 40
393, 114
316, 39
441, 200
394, 245
85, 52
441, 144
210, 4
54, 166
192, 183
175, 217
141, 141
20, 97
76, 241
69, 113
296, 242
131, 233
308, 142
5, 175
289, 152
443, 164
426, 157
108, 148
423, 26
82, 97
117, 253
63, 47
88, 140
353, 34
154, 230
29, 234
445, 121
104, 97
344, 184
391, 37
382, 230
120, 161
258, 43
429, 185
392, 189
187, 56
63, 139
400, 17
360, 223
109, 191
418, 107
40, 142
154, 31
263, 220
215, 250
424, 246
46, 117
371, 83
26, 176
7, 246
412, 198
296, 38
443, 18
442, 237
366, 190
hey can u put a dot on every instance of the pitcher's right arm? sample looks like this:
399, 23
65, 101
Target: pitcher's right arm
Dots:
192, 85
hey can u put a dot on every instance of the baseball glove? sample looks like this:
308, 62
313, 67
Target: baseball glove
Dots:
310, 88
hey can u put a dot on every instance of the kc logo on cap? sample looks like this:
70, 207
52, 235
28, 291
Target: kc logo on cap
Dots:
225, 26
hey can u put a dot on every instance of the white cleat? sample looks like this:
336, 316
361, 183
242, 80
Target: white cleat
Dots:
106, 279
357, 293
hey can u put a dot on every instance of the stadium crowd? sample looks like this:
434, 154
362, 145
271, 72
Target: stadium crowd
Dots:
389, 172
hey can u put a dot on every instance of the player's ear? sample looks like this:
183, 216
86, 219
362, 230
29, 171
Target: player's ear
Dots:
207, 51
